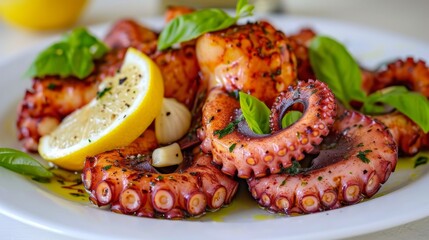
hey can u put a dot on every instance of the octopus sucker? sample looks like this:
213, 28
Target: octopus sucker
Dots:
124, 180
344, 170
257, 155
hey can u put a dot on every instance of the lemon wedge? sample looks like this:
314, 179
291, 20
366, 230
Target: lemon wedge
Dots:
125, 106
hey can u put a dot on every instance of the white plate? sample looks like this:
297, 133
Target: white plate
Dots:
403, 199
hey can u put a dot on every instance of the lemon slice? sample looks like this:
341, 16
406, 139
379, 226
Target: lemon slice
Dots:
125, 106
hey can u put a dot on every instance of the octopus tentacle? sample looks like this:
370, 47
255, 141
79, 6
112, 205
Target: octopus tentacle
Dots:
299, 43
414, 74
411, 73
249, 153
353, 161
409, 137
124, 179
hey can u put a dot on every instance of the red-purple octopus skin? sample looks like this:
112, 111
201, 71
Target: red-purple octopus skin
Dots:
413, 74
124, 180
353, 161
250, 154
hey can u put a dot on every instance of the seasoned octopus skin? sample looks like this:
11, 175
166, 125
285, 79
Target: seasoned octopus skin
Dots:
124, 180
299, 43
52, 98
413, 74
253, 58
176, 11
409, 137
128, 33
247, 154
352, 163
181, 73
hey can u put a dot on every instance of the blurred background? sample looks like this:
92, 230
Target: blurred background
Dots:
24, 23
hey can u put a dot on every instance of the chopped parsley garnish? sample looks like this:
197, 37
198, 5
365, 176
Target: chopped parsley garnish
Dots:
52, 86
362, 156
420, 161
283, 183
228, 129
294, 169
101, 93
160, 178
41, 179
107, 167
231, 148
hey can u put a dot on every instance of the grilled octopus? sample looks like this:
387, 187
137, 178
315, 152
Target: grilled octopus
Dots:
329, 151
124, 179
329, 158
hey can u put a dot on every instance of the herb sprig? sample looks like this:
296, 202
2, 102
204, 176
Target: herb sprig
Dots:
256, 113
333, 64
22, 163
195, 24
74, 56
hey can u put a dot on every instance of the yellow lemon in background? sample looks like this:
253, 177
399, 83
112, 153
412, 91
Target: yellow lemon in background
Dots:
41, 14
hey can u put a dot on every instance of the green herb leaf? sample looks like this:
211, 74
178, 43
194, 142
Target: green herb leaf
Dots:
22, 163
193, 25
107, 167
294, 169
80, 37
420, 161
72, 56
362, 155
334, 65
101, 93
290, 118
243, 9
256, 113
231, 148
228, 129
412, 104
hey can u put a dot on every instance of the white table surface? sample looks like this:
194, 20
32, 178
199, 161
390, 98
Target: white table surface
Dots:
405, 17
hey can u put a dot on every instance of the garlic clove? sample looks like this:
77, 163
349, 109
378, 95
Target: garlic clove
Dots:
167, 156
173, 122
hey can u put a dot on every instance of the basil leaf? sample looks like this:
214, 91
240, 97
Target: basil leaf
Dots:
256, 113
290, 118
334, 65
243, 9
81, 38
51, 61
193, 25
72, 56
412, 104
80, 62
189, 26
22, 163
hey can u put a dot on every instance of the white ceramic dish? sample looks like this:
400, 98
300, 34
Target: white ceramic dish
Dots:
403, 199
